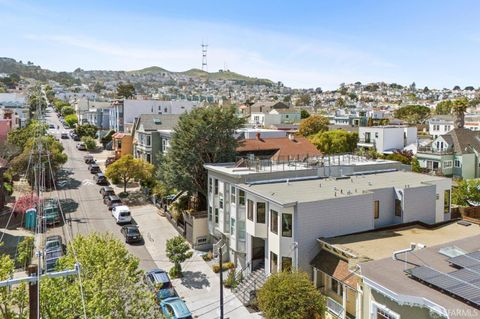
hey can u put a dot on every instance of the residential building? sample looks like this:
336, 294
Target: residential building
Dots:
3, 169
269, 214
442, 124
281, 146
387, 139
122, 144
455, 153
88, 111
365, 275
125, 112
152, 134
268, 114
14, 108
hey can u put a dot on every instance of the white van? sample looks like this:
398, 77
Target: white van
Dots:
121, 214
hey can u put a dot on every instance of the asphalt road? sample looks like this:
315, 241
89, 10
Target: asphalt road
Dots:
82, 202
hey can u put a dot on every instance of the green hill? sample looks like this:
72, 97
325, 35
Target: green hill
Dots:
152, 69
225, 75
30, 70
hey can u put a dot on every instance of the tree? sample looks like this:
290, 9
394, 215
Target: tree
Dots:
370, 121
20, 136
466, 191
456, 88
313, 125
67, 110
178, 251
205, 135
288, 295
304, 114
86, 130
415, 165
25, 202
36, 100
71, 120
335, 142
98, 87
90, 143
413, 114
128, 168
287, 98
13, 300
125, 90
340, 103
111, 280
59, 104
444, 107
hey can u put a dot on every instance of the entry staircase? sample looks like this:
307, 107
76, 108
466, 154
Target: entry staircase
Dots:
249, 283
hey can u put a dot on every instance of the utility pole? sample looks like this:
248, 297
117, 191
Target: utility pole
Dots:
221, 281
32, 271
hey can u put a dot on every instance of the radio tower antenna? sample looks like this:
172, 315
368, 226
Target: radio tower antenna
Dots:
204, 57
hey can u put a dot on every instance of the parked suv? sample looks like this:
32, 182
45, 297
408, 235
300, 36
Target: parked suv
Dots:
94, 168
106, 191
121, 214
112, 201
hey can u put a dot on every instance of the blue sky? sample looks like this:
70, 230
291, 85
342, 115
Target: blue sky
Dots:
301, 43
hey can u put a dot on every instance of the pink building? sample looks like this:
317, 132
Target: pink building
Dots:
5, 127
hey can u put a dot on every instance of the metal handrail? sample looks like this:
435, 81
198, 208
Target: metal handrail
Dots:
240, 274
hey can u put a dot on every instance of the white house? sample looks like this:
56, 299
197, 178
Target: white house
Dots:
442, 124
387, 139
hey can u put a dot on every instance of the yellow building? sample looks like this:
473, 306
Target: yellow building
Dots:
122, 144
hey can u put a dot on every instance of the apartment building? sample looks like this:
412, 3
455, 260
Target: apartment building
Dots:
442, 124
387, 139
270, 214
125, 112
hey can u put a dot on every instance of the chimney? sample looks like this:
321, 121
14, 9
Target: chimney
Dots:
258, 136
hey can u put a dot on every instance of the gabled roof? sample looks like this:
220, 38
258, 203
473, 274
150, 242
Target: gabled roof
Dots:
155, 122
335, 267
267, 106
283, 147
464, 141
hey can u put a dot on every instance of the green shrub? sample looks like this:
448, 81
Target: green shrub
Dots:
225, 266
71, 120
90, 143
230, 281
208, 256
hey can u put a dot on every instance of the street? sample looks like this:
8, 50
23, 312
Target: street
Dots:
84, 204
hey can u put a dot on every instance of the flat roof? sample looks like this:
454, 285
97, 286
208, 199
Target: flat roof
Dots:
328, 188
391, 274
294, 165
380, 244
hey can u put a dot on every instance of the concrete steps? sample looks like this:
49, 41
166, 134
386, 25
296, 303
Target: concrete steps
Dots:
246, 289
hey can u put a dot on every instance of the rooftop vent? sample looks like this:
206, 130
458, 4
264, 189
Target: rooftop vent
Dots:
157, 121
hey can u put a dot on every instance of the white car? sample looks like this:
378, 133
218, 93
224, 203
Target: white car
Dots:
121, 214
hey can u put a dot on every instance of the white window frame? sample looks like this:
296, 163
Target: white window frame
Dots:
457, 163
376, 306
448, 164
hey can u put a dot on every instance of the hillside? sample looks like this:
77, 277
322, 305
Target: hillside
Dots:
149, 70
225, 75
30, 70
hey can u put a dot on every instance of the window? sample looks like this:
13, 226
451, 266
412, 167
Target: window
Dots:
241, 197
261, 213
287, 225
232, 195
250, 210
148, 157
446, 201
209, 185
220, 201
447, 164
382, 312
210, 213
232, 226
216, 215
398, 207
457, 163
274, 221
286, 263
202, 240
336, 286
216, 186
273, 263
149, 140
241, 230
376, 134
376, 209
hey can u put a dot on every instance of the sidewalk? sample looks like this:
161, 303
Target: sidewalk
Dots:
200, 286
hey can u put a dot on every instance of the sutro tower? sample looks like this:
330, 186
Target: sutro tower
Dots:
204, 57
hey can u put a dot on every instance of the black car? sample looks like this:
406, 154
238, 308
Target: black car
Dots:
131, 233
75, 137
100, 179
107, 191
112, 201
94, 168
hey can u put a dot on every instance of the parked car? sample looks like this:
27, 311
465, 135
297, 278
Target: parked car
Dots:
101, 179
131, 233
64, 136
107, 190
81, 146
122, 214
109, 160
51, 258
94, 168
112, 201
89, 159
75, 137
53, 243
51, 214
51, 126
159, 282
175, 308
